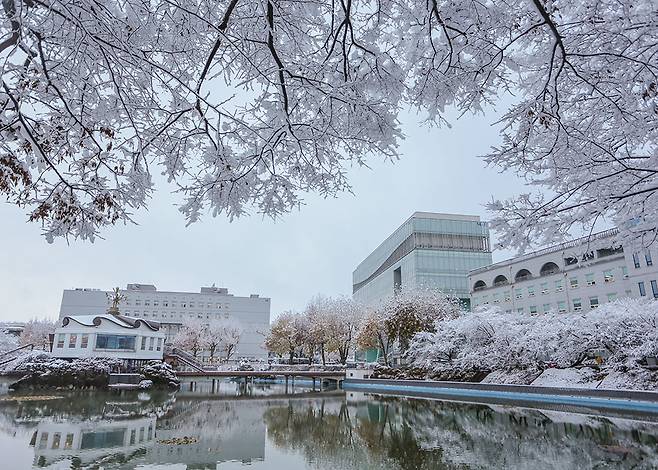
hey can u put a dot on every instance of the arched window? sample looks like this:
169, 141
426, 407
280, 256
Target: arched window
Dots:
522, 275
548, 269
479, 285
500, 280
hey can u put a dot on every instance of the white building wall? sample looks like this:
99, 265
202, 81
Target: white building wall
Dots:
594, 280
172, 309
68, 342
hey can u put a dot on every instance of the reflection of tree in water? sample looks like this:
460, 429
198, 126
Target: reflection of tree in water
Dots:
422, 434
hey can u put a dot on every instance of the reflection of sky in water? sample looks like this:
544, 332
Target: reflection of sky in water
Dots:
232, 426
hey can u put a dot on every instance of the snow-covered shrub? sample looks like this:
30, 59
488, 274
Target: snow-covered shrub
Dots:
160, 373
625, 331
43, 370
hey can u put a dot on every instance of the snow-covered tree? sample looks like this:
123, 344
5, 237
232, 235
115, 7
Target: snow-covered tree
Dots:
342, 322
37, 332
285, 336
192, 337
316, 315
627, 330
8, 341
249, 103
231, 335
372, 333
412, 311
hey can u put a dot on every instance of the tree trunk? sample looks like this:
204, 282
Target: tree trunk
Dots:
292, 354
324, 361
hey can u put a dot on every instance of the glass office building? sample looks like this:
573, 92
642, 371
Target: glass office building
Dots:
428, 250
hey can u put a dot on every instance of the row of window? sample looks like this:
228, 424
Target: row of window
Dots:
173, 304
647, 259
557, 286
96, 439
173, 315
643, 289
107, 341
577, 305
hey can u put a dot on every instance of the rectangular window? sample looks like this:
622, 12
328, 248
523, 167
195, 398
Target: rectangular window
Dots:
191, 305
577, 305
654, 289
531, 291
593, 302
151, 341
546, 308
143, 343
147, 303
608, 276
559, 287
519, 310
624, 271
56, 438
533, 309
544, 287
141, 434
612, 296
573, 282
159, 347
60, 340
73, 338
43, 440
156, 303
562, 307
647, 258
643, 291
68, 443
132, 436
589, 278
518, 293
122, 342
138, 302
636, 260
507, 295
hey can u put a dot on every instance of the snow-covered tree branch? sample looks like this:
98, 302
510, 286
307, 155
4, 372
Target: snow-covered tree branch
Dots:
246, 104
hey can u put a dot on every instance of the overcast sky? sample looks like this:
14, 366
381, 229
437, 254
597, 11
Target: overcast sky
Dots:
309, 251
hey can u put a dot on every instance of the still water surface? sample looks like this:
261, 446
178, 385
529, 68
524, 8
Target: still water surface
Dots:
258, 426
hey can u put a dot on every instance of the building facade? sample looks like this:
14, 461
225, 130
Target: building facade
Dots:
131, 339
172, 309
570, 277
428, 250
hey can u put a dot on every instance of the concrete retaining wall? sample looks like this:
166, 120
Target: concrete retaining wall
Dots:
565, 399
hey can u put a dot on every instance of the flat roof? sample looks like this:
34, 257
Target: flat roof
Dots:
549, 249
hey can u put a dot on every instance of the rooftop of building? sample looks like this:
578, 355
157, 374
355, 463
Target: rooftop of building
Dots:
150, 288
418, 215
120, 320
587, 240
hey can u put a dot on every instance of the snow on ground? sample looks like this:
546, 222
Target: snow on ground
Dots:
514, 377
570, 378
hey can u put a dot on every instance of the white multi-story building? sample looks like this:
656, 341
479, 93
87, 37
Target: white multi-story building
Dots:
172, 309
575, 276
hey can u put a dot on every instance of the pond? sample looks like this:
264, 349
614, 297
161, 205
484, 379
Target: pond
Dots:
231, 425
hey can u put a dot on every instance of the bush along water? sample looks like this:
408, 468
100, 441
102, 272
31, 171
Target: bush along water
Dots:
160, 374
43, 371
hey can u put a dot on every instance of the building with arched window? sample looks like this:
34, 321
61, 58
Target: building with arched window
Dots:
570, 277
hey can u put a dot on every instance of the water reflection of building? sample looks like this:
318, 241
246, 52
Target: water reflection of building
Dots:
216, 431
91, 441
224, 430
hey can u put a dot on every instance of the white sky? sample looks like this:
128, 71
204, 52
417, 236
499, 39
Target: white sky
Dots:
309, 251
